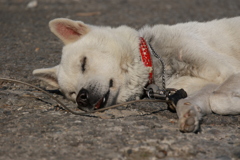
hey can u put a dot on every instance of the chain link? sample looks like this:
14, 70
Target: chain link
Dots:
163, 66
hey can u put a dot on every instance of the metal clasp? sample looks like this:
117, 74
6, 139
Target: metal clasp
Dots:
171, 95
153, 91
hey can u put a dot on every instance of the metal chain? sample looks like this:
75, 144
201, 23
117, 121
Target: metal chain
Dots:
163, 66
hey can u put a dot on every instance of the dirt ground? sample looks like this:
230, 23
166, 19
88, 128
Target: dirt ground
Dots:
33, 128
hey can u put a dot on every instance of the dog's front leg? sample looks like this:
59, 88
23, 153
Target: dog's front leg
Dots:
191, 109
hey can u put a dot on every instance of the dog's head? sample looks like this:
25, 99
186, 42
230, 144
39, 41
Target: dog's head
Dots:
96, 64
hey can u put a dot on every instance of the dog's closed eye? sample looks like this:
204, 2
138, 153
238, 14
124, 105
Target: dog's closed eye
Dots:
83, 66
111, 83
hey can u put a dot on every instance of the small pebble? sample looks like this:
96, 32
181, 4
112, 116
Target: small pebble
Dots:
32, 4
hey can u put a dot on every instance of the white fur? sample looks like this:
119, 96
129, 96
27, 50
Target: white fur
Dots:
202, 58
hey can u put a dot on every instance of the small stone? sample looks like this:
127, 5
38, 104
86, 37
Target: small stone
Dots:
32, 4
20, 108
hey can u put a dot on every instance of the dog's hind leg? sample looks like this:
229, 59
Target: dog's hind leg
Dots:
191, 109
225, 100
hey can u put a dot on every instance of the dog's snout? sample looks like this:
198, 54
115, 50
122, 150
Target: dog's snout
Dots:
82, 97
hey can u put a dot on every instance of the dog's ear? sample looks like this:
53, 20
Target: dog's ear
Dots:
68, 30
48, 75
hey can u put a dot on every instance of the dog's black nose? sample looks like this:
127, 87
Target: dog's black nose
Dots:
82, 97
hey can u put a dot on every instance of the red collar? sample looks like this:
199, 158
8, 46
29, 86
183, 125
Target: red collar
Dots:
146, 58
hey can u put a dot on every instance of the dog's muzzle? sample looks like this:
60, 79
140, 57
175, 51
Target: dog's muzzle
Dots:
88, 102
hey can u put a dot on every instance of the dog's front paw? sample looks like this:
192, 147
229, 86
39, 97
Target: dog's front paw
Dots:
189, 122
189, 117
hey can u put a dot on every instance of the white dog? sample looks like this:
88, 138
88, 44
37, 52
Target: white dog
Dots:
101, 66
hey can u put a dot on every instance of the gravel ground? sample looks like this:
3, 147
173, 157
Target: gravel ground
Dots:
32, 126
